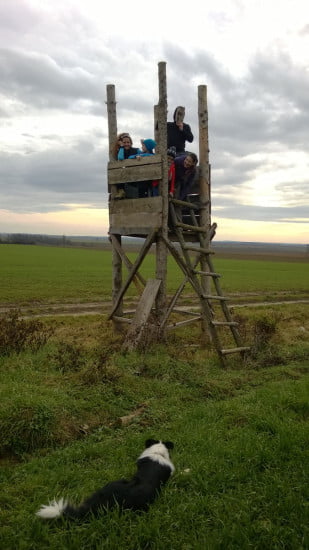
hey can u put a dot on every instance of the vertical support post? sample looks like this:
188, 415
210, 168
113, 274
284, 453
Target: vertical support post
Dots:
112, 132
111, 118
161, 252
204, 173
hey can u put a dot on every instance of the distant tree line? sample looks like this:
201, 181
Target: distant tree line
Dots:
26, 238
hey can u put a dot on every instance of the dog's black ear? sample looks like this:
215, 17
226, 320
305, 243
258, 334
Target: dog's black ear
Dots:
150, 442
168, 444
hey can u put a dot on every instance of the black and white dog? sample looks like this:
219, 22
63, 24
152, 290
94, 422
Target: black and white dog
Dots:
154, 468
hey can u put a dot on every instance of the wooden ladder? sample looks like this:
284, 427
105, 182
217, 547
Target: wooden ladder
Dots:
197, 277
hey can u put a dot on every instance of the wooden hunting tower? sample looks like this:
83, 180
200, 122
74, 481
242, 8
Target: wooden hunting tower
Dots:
156, 220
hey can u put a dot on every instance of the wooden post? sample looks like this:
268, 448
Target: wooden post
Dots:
161, 255
204, 182
116, 258
111, 117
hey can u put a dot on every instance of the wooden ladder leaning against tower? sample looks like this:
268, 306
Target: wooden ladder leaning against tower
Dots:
196, 277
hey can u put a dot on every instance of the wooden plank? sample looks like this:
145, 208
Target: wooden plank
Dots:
146, 303
129, 163
235, 350
133, 170
139, 329
195, 228
182, 323
135, 214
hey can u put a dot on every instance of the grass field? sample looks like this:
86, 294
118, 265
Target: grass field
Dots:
75, 411
37, 273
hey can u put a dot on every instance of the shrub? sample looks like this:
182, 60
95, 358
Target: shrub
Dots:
68, 357
17, 334
26, 428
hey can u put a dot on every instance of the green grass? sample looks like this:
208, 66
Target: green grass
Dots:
240, 436
240, 433
241, 467
46, 274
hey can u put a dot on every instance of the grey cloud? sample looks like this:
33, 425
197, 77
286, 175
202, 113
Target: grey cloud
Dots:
260, 213
38, 80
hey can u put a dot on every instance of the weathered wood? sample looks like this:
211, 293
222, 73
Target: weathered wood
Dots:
135, 215
207, 273
161, 252
112, 134
138, 280
199, 249
148, 168
147, 244
188, 227
185, 204
183, 323
117, 277
204, 174
111, 118
139, 328
240, 349
186, 311
122, 319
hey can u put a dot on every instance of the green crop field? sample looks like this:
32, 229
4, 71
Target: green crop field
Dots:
75, 411
48, 274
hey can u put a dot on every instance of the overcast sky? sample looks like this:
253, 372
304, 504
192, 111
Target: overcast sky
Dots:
56, 58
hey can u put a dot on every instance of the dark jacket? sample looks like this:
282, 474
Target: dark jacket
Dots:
184, 178
176, 137
126, 153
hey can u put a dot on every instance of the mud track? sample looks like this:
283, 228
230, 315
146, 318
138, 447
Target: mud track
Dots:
104, 307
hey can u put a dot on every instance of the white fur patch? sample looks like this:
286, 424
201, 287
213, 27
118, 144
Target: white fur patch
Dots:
158, 453
53, 510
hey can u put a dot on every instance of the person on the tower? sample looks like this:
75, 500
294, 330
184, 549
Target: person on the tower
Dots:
141, 189
178, 132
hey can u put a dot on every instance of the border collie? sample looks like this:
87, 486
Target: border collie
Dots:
154, 468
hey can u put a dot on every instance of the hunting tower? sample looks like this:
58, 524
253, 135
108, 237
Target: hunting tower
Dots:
186, 237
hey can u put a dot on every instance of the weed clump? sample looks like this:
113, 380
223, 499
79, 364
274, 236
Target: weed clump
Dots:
68, 357
17, 334
26, 428
265, 351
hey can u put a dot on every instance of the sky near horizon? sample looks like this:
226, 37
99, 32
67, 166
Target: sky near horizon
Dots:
56, 58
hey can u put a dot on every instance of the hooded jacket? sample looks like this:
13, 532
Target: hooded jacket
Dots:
177, 137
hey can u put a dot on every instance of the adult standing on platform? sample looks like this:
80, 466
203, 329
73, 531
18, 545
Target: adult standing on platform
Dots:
178, 132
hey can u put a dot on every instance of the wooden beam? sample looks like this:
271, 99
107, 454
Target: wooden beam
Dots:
147, 244
139, 328
138, 280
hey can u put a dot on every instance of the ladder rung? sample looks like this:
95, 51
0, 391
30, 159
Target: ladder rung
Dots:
208, 273
199, 249
190, 205
234, 350
224, 323
208, 297
193, 228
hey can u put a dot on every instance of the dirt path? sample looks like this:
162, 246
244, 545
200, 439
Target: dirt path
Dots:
104, 308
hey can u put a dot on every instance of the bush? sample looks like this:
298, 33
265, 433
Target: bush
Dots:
26, 428
17, 334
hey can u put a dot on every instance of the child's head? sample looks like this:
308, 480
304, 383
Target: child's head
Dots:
171, 154
148, 145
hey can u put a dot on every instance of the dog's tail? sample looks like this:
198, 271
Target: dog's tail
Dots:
56, 509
